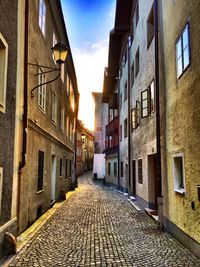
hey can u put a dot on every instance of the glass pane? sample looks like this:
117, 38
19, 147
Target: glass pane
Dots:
178, 48
144, 104
145, 112
185, 37
144, 95
186, 58
179, 67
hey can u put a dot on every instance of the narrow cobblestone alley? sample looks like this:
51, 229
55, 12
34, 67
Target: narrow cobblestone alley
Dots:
99, 227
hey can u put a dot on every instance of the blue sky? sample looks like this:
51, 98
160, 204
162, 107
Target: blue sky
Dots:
88, 24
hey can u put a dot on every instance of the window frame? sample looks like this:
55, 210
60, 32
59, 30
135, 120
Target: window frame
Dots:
177, 187
42, 92
42, 16
125, 128
180, 38
62, 118
54, 113
150, 36
3, 73
140, 174
142, 103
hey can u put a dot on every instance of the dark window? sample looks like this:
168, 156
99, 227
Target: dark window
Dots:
109, 168
122, 167
138, 112
66, 168
132, 74
40, 170
125, 128
137, 62
183, 51
120, 132
70, 168
60, 167
140, 179
144, 103
150, 27
115, 168
125, 91
120, 101
137, 13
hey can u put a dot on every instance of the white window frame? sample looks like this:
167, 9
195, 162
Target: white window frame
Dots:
42, 92
184, 48
3, 72
42, 16
1, 187
177, 188
62, 118
54, 42
54, 107
62, 72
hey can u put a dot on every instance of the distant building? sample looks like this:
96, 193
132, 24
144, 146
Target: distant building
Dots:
100, 120
85, 149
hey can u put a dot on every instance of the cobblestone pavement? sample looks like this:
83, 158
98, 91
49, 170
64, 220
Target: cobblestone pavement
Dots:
98, 227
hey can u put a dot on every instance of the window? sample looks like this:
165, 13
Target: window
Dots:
40, 170
109, 168
132, 74
60, 167
124, 59
62, 118
125, 91
42, 16
115, 168
66, 168
122, 168
133, 118
67, 125
137, 62
70, 168
3, 72
183, 51
1, 186
62, 72
178, 173
150, 27
138, 112
144, 104
152, 97
120, 101
137, 13
54, 107
54, 42
67, 84
120, 132
125, 128
42, 91
140, 178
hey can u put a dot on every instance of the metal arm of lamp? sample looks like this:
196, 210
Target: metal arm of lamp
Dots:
60, 52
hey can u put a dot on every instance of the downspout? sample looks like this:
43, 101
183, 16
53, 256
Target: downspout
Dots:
159, 177
25, 114
129, 122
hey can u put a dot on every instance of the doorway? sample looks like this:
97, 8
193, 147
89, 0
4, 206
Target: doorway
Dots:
152, 182
53, 178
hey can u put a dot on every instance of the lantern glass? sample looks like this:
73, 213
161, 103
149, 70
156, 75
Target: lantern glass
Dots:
60, 52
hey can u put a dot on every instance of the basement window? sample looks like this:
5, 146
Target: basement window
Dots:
150, 27
179, 173
140, 176
40, 170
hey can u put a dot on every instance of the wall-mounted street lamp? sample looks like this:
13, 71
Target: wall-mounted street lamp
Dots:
60, 52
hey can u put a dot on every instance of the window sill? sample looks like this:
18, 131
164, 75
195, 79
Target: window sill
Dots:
180, 191
40, 191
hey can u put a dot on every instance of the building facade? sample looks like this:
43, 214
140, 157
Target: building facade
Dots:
48, 172
180, 47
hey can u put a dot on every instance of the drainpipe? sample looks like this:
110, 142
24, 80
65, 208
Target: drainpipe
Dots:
129, 122
158, 147
25, 115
